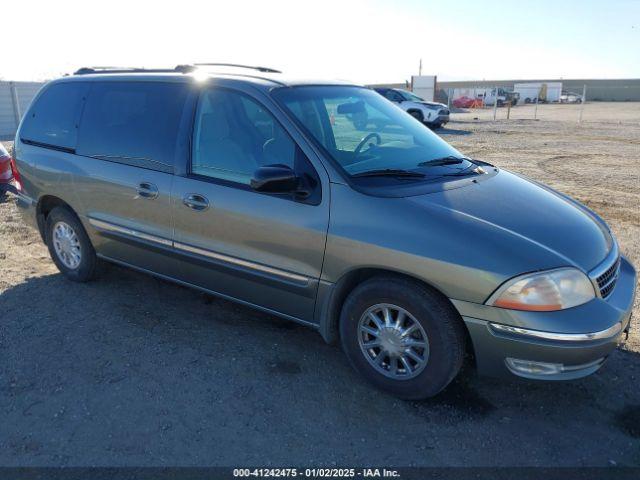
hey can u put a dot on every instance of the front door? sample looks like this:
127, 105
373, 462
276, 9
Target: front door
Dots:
263, 249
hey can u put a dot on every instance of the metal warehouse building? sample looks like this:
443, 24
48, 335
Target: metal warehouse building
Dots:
15, 98
618, 90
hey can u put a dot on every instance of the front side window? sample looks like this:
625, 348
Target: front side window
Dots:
412, 97
363, 132
133, 122
53, 119
234, 135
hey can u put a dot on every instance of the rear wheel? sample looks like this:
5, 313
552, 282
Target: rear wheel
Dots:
403, 337
69, 245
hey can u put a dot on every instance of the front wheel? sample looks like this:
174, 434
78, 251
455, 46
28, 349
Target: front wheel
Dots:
69, 245
403, 337
417, 114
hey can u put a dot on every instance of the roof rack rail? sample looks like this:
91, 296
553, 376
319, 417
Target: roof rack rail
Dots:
178, 68
237, 65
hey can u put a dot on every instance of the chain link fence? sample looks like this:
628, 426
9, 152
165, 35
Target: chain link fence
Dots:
15, 98
536, 101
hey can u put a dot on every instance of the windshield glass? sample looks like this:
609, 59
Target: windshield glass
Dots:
364, 132
410, 96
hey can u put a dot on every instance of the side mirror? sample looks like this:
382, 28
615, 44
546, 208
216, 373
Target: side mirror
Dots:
274, 179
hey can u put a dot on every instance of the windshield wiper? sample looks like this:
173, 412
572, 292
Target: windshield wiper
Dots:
390, 172
467, 171
449, 160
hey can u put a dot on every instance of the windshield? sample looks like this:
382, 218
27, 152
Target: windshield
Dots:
364, 132
410, 96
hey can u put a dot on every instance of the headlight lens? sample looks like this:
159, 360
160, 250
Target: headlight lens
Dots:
545, 291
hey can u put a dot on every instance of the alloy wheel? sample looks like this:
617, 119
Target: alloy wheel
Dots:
67, 245
393, 341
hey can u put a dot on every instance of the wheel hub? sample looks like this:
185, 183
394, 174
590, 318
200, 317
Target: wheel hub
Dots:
393, 341
66, 245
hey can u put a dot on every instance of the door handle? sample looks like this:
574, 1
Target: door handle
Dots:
147, 190
195, 201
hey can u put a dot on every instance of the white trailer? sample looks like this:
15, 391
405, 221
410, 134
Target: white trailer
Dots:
544, 91
424, 86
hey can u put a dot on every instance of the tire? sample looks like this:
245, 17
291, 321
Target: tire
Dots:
417, 114
437, 319
66, 238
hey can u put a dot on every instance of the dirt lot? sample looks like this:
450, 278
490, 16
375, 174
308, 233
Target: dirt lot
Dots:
130, 370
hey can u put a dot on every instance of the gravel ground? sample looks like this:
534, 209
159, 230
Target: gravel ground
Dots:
130, 370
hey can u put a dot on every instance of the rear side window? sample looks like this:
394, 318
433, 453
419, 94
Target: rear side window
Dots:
53, 119
133, 122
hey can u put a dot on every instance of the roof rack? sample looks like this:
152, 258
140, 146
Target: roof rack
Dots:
177, 68
237, 65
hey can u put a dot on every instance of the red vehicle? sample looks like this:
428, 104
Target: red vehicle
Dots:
6, 171
464, 102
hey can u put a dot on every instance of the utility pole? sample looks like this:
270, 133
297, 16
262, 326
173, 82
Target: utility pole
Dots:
584, 98
420, 68
495, 104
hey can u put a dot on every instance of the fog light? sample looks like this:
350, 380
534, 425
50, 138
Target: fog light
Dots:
529, 367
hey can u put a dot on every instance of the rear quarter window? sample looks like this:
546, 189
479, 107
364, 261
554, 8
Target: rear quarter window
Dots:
53, 119
133, 122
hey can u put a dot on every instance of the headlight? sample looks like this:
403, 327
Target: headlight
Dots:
544, 291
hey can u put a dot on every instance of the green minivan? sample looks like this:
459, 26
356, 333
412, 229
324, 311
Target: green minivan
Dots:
259, 188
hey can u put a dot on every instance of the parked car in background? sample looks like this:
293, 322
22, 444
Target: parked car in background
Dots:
258, 188
432, 114
6, 171
570, 97
465, 102
503, 97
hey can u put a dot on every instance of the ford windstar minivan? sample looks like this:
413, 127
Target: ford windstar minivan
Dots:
259, 188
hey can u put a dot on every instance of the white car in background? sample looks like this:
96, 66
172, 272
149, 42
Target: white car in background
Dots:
432, 114
570, 97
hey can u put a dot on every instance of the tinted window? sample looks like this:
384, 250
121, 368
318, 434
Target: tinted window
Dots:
234, 135
133, 122
53, 119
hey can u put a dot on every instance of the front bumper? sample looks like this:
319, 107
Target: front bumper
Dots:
560, 345
438, 120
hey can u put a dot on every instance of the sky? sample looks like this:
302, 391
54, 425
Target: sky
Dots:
365, 41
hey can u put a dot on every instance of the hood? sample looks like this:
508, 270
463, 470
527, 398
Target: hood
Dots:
427, 104
433, 104
540, 222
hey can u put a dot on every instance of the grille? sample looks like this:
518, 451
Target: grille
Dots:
444, 112
607, 281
